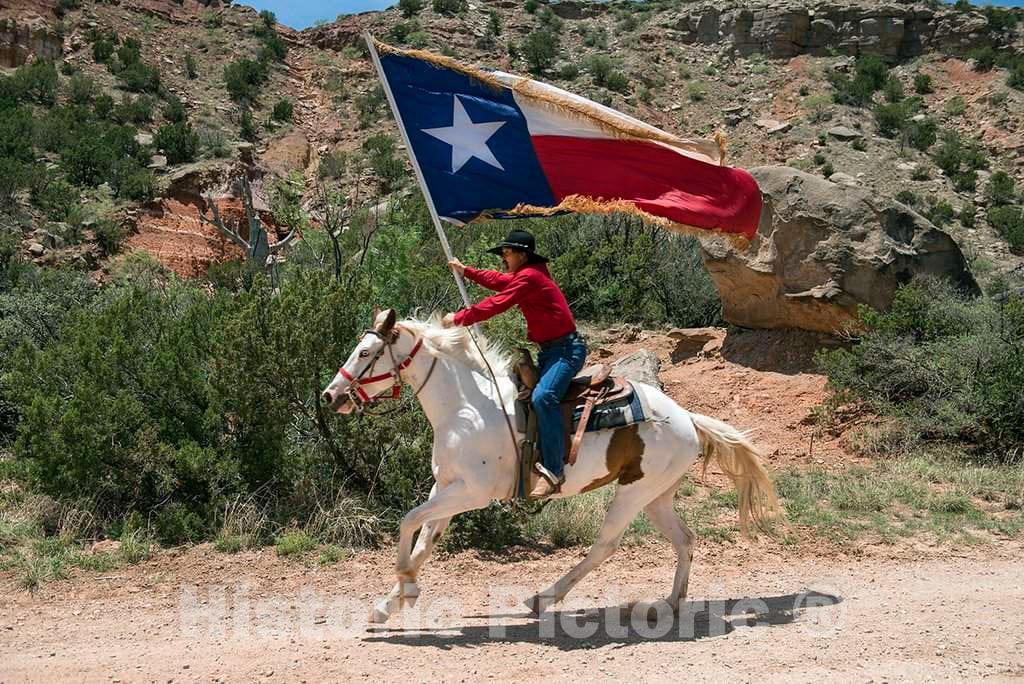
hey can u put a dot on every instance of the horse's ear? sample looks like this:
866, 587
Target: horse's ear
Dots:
385, 321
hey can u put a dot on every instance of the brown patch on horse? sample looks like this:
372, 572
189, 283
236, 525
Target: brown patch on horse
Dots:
623, 458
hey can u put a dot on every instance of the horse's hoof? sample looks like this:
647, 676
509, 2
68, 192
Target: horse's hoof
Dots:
378, 616
534, 605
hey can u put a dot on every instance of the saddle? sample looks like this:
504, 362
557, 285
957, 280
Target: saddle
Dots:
593, 387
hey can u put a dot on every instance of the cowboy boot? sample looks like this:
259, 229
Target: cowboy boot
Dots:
548, 484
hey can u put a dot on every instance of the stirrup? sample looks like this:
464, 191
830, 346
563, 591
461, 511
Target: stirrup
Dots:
548, 484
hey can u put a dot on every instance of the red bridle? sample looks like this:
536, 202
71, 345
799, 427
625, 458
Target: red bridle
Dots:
356, 384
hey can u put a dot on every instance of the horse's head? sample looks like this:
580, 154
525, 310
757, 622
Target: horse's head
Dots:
371, 369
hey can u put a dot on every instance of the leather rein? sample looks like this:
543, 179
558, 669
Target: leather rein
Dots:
355, 392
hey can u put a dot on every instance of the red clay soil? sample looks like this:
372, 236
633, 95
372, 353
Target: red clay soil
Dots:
174, 234
759, 380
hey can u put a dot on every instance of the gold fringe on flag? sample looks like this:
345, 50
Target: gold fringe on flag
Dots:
587, 205
613, 125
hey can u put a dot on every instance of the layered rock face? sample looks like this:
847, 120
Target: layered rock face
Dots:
789, 29
18, 40
821, 250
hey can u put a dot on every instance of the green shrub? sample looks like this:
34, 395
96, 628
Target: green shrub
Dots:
15, 176
178, 141
103, 107
243, 79
967, 215
283, 110
956, 106
410, 8
380, 153
141, 78
599, 67
274, 49
696, 91
1001, 190
966, 181
906, 197
17, 131
110, 235
921, 134
370, 105
81, 89
174, 110
102, 50
923, 84
569, 72
38, 82
247, 126
191, 68
893, 90
596, 37
531, 6
940, 213
450, 7
950, 153
134, 111
1009, 222
891, 119
540, 49
942, 366
984, 58
1000, 19
54, 195
294, 543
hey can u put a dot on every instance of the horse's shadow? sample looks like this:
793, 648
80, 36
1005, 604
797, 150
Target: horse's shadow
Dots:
614, 625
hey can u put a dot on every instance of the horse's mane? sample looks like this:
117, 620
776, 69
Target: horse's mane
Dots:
457, 344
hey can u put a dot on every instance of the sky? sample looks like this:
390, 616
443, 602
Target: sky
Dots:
301, 14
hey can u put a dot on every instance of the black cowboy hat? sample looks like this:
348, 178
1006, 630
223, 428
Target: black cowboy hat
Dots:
523, 241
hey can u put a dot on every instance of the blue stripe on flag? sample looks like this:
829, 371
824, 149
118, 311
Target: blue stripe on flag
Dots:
482, 167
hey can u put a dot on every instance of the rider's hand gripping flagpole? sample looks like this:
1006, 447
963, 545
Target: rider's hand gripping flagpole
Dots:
415, 165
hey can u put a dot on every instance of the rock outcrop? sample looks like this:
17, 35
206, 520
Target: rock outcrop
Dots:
19, 40
640, 366
788, 29
821, 250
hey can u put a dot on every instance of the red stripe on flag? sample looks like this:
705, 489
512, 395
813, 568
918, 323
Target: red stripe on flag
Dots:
655, 178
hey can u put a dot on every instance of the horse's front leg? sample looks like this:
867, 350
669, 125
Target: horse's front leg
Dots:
446, 502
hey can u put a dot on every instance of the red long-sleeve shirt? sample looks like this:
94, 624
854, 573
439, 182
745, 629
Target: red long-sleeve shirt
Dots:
533, 290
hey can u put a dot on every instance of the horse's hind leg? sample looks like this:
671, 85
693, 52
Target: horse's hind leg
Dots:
663, 516
627, 503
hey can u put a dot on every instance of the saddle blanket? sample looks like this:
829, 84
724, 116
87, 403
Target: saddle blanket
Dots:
614, 414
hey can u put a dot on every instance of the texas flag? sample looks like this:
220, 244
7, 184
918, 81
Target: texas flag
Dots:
490, 144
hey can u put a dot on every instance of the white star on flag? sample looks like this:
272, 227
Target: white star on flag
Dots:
467, 139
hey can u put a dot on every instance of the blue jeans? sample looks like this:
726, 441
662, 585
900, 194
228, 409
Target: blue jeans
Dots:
558, 366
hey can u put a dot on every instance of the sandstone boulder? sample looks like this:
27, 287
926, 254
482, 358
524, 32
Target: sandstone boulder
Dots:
821, 250
641, 366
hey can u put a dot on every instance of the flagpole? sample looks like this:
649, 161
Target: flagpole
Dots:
415, 165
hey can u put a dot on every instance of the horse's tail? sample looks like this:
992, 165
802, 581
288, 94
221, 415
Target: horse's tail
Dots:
739, 459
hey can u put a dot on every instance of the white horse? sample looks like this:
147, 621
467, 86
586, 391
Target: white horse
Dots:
474, 456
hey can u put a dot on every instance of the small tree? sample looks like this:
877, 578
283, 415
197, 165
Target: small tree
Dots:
540, 50
1001, 189
283, 110
257, 248
191, 68
410, 8
923, 84
178, 141
450, 7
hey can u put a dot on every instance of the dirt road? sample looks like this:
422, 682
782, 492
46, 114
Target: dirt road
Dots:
914, 614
